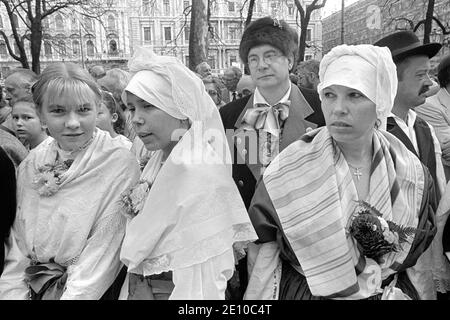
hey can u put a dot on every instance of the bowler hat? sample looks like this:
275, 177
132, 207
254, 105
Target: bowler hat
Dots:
404, 44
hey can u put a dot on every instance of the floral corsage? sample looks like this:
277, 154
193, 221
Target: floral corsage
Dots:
132, 200
376, 236
48, 177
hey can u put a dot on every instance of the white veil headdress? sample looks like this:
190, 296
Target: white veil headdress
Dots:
367, 68
193, 211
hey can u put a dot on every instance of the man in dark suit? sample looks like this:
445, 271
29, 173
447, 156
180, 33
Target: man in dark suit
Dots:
269, 48
413, 66
261, 125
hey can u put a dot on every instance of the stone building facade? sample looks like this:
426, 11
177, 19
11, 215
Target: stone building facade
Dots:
160, 24
366, 21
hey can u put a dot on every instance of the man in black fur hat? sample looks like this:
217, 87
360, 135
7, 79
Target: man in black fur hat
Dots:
261, 125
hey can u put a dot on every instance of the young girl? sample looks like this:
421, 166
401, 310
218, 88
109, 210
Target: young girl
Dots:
68, 230
109, 119
27, 124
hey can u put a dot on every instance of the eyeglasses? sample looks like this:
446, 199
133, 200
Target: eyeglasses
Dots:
268, 58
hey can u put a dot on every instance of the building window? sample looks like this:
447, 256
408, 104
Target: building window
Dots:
59, 22
230, 6
166, 6
291, 9
232, 33
87, 23
74, 23
233, 60
62, 48
187, 31
167, 33
111, 22
3, 49
308, 57
308, 34
45, 23
147, 34
76, 47
90, 48
47, 49
212, 62
145, 7
112, 47
273, 6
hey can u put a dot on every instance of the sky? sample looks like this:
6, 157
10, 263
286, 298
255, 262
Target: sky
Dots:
333, 6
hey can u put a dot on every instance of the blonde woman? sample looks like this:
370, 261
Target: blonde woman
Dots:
68, 230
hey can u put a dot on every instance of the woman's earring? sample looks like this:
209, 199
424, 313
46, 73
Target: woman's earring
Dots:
377, 124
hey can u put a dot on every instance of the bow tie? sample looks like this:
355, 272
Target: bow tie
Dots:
266, 118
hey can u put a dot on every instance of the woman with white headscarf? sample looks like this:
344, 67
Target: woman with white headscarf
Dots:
345, 211
186, 214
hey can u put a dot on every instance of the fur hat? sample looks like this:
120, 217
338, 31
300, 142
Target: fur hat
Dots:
267, 30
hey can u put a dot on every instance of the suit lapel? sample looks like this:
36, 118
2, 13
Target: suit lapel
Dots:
249, 104
394, 129
241, 144
296, 124
294, 127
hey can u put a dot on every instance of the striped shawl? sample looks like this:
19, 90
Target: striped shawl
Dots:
312, 191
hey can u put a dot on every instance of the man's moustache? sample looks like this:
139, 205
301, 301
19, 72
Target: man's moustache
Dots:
424, 89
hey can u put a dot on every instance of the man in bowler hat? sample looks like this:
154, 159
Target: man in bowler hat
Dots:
413, 66
261, 125
436, 111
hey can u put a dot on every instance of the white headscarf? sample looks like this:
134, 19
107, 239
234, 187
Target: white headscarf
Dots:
167, 84
366, 68
193, 211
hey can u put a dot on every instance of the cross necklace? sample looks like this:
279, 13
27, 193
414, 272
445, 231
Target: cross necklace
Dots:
358, 174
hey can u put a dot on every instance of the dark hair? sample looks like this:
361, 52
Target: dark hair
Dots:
113, 107
444, 77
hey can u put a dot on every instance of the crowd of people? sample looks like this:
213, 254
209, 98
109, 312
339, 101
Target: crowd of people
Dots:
297, 181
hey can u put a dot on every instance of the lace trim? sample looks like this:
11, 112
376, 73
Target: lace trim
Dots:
442, 285
201, 251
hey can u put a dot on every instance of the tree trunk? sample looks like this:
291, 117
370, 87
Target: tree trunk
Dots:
251, 5
198, 39
428, 22
35, 46
23, 55
302, 41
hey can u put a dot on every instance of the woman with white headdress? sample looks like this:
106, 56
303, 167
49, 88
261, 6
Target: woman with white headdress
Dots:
345, 211
186, 213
